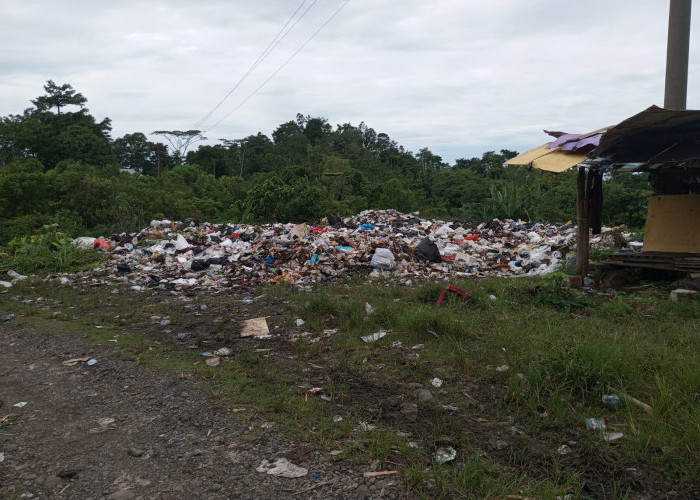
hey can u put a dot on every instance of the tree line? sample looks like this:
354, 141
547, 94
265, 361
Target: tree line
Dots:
59, 165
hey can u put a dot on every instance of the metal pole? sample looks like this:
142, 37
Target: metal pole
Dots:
677, 49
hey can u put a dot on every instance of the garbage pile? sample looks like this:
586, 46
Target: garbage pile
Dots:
387, 243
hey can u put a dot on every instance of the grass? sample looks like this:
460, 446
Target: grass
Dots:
562, 351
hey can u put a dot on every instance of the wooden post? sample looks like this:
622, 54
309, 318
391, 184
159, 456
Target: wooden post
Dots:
582, 238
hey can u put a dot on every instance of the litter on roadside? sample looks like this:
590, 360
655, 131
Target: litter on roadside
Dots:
595, 423
612, 437
255, 327
75, 361
445, 454
282, 468
374, 336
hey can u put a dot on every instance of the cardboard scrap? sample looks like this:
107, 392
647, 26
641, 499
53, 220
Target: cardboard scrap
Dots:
255, 327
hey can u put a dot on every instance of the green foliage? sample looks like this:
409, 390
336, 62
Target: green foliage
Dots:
48, 250
60, 165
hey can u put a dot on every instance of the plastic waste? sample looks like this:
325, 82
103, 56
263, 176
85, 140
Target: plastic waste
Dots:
436, 382
612, 437
281, 468
595, 423
445, 454
101, 244
383, 259
368, 308
91, 362
454, 289
681, 294
215, 361
375, 336
16, 276
427, 251
7, 317
611, 399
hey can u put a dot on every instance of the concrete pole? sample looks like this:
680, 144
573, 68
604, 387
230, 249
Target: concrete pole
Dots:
677, 49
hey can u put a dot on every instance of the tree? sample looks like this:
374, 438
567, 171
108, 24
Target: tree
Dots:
58, 97
181, 140
137, 153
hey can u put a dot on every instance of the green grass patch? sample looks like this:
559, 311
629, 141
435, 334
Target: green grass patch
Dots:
523, 362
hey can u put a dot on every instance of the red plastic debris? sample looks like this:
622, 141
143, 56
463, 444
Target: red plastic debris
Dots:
455, 289
472, 237
101, 244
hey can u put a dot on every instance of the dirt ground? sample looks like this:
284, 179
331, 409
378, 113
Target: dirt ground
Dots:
116, 430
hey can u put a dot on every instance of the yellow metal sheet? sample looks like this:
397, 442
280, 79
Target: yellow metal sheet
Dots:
550, 160
672, 224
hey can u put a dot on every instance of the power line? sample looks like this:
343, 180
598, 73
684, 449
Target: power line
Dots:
271, 46
283, 65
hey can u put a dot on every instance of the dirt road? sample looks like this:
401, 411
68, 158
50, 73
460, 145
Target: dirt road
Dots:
115, 430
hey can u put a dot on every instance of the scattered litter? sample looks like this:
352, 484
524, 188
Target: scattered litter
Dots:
364, 426
368, 308
300, 321
611, 399
682, 294
454, 289
6, 284
445, 454
436, 382
564, 449
7, 317
335, 453
255, 327
502, 368
635, 401
375, 336
16, 276
379, 473
21, 404
105, 421
418, 347
595, 423
337, 418
91, 362
75, 361
216, 361
224, 351
492, 297
612, 437
2, 456
282, 468
396, 343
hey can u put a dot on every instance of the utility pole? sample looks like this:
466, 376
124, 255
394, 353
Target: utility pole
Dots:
677, 49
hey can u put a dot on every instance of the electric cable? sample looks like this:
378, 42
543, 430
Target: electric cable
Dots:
282, 66
270, 47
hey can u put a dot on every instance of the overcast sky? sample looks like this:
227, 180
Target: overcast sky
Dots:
459, 77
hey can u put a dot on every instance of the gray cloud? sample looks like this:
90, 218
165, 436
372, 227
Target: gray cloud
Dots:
457, 77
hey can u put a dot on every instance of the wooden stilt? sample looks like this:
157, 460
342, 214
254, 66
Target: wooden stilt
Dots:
582, 214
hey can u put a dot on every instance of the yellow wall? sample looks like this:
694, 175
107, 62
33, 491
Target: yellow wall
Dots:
673, 224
